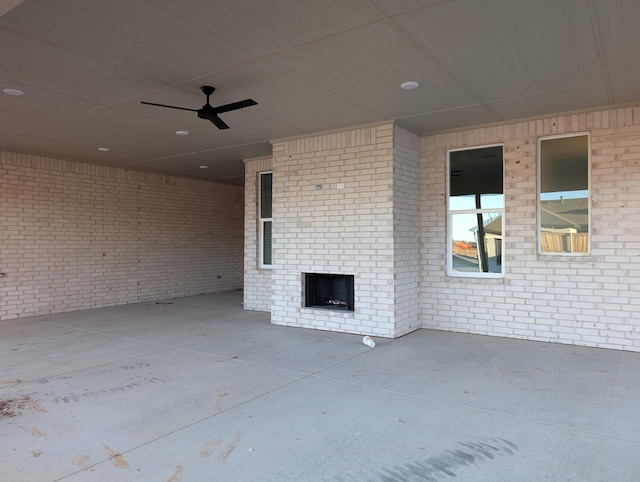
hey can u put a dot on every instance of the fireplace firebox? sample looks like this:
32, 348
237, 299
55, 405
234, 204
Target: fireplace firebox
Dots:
329, 291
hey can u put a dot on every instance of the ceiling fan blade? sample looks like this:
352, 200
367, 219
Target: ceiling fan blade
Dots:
207, 111
235, 105
219, 123
169, 106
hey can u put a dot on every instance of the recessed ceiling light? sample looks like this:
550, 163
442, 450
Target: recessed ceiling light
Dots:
13, 91
412, 84
104, 149
182, 133
204, 167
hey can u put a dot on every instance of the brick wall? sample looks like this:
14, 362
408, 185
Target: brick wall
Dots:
590, 300
406, 159
257, 281
332, 211
76, 236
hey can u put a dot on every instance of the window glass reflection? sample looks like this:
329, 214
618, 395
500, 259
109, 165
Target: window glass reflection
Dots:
476, 243
564, 195
476, 209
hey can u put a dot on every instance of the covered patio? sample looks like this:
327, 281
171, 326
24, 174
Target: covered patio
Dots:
198, 389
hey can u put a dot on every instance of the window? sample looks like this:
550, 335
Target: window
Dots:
563, 207
266, 222
475, 212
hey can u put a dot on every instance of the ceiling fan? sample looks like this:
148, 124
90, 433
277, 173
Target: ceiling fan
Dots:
209, 112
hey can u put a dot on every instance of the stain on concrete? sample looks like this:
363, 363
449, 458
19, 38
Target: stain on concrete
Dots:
177, 475
117, 459
33, 431
81, 461
67, 428
35, 407
13, 381
12, 407
134, 366
124, 388
208, 447
230, 448
141, 381
447, 464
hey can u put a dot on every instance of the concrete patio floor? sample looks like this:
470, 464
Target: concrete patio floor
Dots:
197, 389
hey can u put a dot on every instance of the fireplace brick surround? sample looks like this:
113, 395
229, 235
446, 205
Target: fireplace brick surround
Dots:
345, 202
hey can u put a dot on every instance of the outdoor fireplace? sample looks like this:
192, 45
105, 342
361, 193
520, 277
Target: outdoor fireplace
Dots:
329, 291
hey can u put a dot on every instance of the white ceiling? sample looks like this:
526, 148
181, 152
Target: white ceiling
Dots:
311, 65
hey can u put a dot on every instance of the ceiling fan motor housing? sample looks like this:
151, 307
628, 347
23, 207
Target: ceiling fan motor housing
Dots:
207, 112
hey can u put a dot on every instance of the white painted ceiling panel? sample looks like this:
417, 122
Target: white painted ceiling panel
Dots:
449, 119
395, 7
39, 64
261, 28
124, 134
221, 166
625, 90
57, 149
509, 48
131, 37
559, 101
16, 122
312, 66
290, 99
368, 65
618, 32
43, 105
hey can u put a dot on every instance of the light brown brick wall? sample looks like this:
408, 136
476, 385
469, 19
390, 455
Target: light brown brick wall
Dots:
590, 300
76, 236
320, 227
406, 242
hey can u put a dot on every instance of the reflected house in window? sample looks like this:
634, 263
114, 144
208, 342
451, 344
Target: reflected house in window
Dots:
493, 243
564, 195
475, 211
564, 226
466, 256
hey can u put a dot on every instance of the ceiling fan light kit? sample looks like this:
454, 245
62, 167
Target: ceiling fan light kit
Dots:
207, 111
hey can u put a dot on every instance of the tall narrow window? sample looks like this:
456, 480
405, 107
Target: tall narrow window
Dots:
563, 209
475, 212
266, 221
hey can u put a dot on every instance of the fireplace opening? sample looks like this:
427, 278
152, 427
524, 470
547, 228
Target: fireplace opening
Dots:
329, 291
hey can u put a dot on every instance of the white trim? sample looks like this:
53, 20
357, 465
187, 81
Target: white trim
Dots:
449, 214
538, 195
262, 221
473, 148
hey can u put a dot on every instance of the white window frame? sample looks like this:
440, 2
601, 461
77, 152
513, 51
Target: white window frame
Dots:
450, 213
538, 194
262, 221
